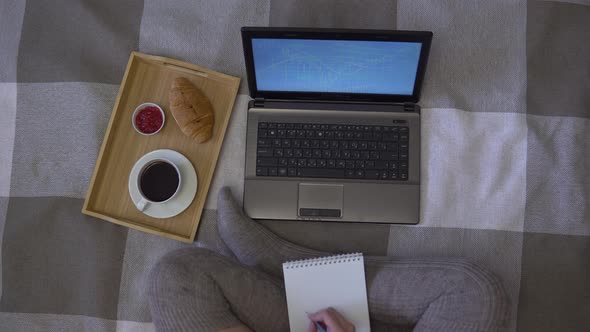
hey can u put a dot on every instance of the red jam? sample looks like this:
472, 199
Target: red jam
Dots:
149, 120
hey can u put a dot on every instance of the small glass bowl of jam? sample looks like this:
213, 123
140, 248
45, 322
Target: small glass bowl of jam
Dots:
148, 119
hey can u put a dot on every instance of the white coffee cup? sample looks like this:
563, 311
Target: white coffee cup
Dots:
153, 189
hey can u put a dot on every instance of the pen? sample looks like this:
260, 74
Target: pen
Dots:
318, 326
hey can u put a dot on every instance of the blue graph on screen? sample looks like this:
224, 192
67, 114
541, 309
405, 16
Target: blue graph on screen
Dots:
341, 66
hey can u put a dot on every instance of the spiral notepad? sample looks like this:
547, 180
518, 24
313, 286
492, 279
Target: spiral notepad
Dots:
334, 281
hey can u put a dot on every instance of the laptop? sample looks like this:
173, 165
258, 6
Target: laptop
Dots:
333, 130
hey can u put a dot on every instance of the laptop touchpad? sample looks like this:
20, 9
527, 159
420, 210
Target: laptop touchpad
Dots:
320, 200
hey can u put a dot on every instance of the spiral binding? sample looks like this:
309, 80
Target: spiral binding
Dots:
336, 259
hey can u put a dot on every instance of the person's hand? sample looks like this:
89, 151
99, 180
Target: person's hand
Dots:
332, 320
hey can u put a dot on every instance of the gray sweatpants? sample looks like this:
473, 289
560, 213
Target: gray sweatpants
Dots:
195, 289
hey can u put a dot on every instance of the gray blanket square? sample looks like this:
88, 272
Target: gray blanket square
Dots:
78, 40
558, 49
57, 137
3, 210
51, 265
357, 14
558, 185
11, 19
555, 287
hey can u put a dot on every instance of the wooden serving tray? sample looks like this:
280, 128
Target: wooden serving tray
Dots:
148, 79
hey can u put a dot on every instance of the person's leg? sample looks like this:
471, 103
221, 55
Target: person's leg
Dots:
431, 294
194, 289
435, 294
253, 244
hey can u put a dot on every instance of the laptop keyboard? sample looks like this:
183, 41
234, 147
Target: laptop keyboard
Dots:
333, 151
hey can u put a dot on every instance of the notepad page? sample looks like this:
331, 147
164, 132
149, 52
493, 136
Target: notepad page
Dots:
336, 281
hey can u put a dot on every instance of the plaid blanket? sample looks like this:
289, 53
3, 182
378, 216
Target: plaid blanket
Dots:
506, 148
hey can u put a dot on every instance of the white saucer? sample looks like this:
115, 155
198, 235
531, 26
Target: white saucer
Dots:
183, 198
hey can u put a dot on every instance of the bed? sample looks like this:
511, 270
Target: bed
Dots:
505, 148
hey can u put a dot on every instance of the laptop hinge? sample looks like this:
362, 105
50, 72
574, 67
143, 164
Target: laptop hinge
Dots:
259, 102
409, 107
328, 105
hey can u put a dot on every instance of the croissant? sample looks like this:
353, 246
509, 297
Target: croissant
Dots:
191, 109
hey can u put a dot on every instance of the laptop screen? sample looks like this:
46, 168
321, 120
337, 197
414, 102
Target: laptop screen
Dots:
333, 65
336, 66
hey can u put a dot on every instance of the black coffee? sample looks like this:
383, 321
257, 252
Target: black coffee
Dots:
159, 181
